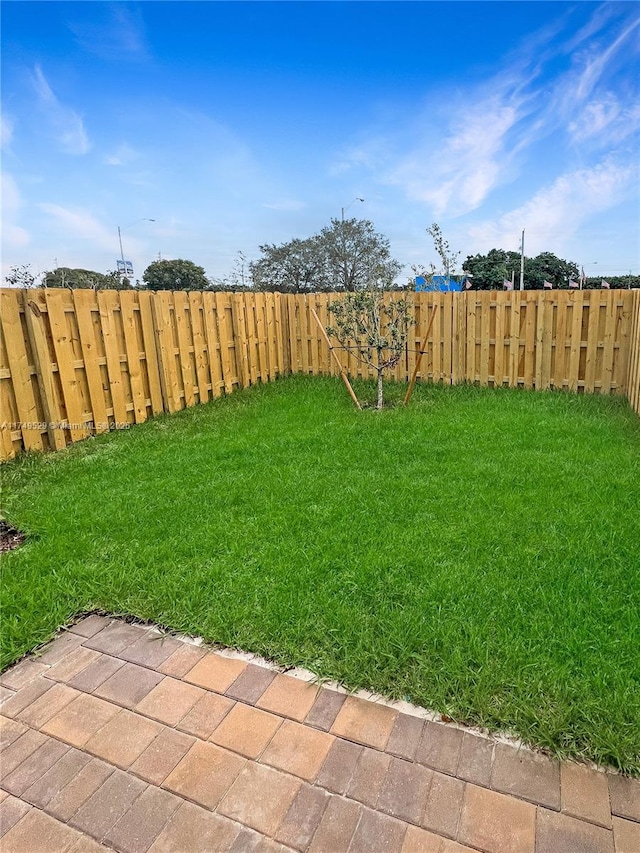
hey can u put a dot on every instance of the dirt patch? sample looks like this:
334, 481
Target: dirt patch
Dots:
10, 537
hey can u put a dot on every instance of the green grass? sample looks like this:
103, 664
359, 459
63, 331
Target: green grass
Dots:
478, 552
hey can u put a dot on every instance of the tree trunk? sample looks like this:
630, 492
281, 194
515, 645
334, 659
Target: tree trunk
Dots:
379, 404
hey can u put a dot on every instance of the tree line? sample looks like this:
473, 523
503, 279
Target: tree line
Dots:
346, 256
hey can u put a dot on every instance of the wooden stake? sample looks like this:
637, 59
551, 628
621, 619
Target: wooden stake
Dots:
345, 378
423, 349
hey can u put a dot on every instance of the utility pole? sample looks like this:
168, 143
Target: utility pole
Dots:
522, 262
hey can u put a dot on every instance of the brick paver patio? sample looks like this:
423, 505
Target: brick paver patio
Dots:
119, 737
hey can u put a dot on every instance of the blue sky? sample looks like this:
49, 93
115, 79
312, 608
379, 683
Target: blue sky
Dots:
237, 124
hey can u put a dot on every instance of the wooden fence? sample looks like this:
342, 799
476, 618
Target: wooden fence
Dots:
78, 362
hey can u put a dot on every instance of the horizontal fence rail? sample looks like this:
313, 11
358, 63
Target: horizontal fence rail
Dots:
75, 363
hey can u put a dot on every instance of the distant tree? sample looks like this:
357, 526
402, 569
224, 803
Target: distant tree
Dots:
21, 276
175, 275
85, 279
374, 327
345, 256
298, 266
357, 255
490, 270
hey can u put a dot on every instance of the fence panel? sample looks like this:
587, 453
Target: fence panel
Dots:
75, 363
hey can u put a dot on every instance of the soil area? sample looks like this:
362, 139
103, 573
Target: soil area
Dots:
10, 538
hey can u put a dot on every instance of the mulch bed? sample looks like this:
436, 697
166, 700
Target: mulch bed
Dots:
10, 537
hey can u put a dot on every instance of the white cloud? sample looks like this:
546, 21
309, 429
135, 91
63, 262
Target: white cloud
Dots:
79, 223
66, 124
6, 130
557, 211
119, 36
13, 235
122, 156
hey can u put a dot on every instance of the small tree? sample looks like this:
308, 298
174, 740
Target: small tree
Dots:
21, 276
374, 328
449, 259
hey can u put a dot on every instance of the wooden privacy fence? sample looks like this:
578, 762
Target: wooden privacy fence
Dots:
74, 363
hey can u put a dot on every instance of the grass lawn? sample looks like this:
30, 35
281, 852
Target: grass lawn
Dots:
478, 552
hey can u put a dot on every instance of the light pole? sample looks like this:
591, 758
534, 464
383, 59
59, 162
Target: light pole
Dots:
357, 198
144, 219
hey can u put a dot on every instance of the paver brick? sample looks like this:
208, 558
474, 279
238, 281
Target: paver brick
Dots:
405, 790
626, 835
291, 697
72, 664
10, 730
38, 832
25, 696
368, 776
22, 673
297, 749
246, 730
194, 830
96, 673
123, 739
378, 832
69, 799
59, 648
162, 756
108, 804
247, 841
90, 625
246, 802
440, 747
139, 827
339, 766
405, 736
33, 767
78, 721
496, 823
325, 709
46, 706
624, 795
11, 811
526, 774
251, 683
585, 793
115, 637
205, 774
365, 722
337, 826
421, 841
444, 805
84, 844
206, 715
303, 817
476, 759
5, 694
44, 789
21, 748
170, 700
558, 832
182, 660
151, 650
129, 685
215, 672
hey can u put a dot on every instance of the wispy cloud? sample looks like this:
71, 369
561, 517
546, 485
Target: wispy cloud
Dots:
79, 223
14, 235
122, 156
119, 34
65, 123
558, 211
6, 130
